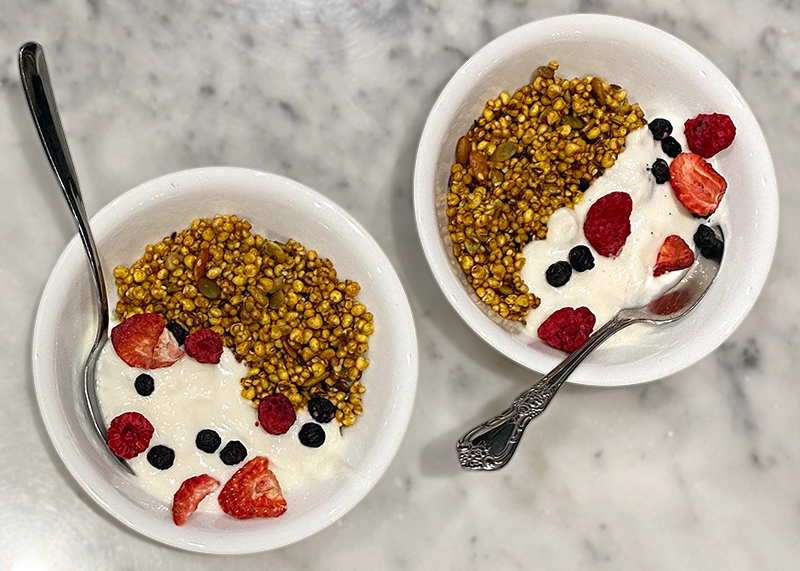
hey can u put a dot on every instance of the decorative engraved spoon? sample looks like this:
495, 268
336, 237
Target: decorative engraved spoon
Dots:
491, 445
42, 103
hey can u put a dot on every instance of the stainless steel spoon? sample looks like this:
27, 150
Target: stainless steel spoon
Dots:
491, 445
42, 103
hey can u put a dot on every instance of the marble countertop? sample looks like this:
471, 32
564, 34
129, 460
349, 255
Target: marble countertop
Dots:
697, 471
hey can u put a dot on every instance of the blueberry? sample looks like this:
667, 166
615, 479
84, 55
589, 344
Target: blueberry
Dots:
558, 274
660, 171
671, 147
208, 440
710, 246
161, 457
177, 331
321, 409
144, 385
312, 435
660, 128
233, 453
581, 258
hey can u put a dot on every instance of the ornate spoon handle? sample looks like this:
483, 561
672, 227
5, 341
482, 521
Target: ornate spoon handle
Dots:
491, 445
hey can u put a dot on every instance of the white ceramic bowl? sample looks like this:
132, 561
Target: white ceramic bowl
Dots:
652, 66
278, 208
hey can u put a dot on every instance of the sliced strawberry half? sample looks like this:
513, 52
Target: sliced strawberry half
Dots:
696, 184
143, 341
675, 254
253, 491
189, 496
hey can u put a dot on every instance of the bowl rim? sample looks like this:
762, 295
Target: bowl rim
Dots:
225, 543
434, 246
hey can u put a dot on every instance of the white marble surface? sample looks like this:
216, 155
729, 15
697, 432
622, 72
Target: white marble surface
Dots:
698, 471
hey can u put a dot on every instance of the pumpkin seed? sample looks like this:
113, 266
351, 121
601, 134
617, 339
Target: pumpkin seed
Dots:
276, 299
208, 288
504, 152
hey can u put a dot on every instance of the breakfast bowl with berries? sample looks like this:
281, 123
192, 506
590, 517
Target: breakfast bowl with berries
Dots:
580, 165
260, 369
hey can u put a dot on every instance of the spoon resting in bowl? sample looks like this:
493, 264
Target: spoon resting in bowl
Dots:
491, 445
42, 103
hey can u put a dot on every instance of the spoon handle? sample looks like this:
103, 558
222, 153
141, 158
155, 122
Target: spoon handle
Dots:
42, 103
491, 445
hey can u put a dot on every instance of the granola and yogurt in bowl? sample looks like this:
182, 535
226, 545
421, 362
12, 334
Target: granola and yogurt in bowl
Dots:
261, 368
578, 165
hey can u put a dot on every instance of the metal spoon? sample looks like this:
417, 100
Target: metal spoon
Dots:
42, 103
491, 445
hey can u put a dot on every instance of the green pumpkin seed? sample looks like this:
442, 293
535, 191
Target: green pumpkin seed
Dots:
208, 288
504, 151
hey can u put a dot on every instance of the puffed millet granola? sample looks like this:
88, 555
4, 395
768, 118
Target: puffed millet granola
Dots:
527, 155
279, 307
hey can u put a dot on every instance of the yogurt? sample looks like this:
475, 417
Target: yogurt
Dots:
627, 280
190, 396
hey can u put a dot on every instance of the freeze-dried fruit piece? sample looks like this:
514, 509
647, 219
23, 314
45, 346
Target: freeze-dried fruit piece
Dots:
696, 184
568, 328
608, 223
674, 254
189, 496
709, 134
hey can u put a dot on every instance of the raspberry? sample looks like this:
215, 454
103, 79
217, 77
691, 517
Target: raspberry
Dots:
675, 254
709, 134
567, 329
253, 491
276, 413
189, 496
204, 346
696, 184
129, 435
143, 341
608, 224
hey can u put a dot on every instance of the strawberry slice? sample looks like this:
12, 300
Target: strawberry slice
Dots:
143, 341
189, 496
253, 491
675, 254
696, 184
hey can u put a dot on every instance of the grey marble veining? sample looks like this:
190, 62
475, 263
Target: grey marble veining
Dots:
697, 471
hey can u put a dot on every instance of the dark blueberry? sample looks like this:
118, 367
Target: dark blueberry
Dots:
233, 453
660, 128
710, 246
558, 274
144, 385
660, 171
312, 435
177, 331
208, 440
321, 409
161, 457
581, 258
671, 147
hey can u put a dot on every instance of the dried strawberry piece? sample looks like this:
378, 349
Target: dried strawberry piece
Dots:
204, 346
189, 496
276, 413
568, 328
696, 184
674, 254
129, 435
709, 134
253, 491
608, 223
143, 341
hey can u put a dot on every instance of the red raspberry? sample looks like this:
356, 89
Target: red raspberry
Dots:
253, 491
674, 254
709, 134
276, 413
608, 223
567, 329
204, 346
189, 496
696, 184
129, 435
